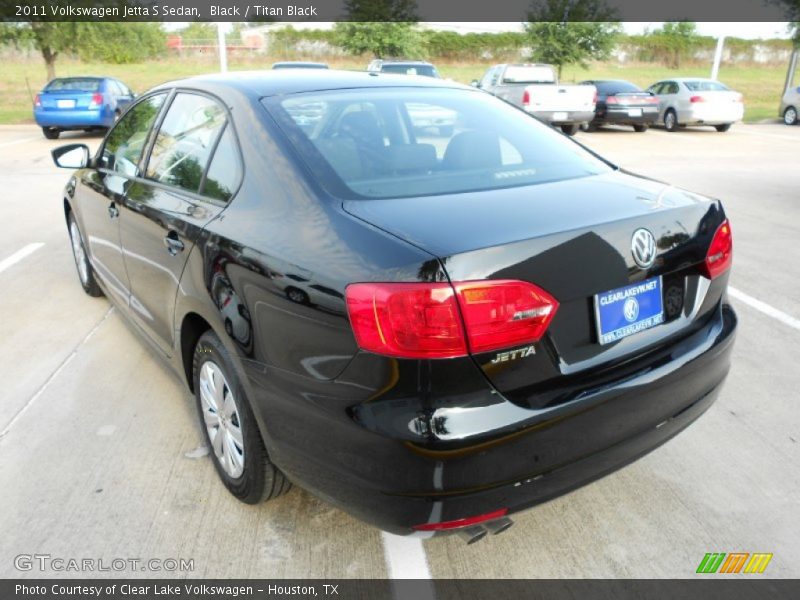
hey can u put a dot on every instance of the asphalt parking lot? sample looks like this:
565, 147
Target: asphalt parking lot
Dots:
100, 448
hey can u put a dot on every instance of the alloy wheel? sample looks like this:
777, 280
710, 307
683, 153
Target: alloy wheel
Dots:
790, 116
221, 418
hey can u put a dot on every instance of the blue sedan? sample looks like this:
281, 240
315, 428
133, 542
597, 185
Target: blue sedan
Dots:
85, 103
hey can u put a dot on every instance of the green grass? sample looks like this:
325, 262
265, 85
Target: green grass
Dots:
761, 85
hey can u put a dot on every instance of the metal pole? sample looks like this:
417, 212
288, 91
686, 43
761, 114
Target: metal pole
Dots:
717, 57
223, 50
790, 71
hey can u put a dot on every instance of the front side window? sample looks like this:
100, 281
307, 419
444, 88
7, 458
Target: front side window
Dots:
395, 142
185, 141
124, 145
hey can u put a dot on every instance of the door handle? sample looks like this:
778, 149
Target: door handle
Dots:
173, 244
113, 211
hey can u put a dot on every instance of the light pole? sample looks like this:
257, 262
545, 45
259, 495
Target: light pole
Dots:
717, 57
223, 51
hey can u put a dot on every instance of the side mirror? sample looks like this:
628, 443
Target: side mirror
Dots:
475, 83
71, 156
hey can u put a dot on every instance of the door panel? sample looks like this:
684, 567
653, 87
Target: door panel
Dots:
164, 213
158, 228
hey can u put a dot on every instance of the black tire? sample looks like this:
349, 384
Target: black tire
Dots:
51, 133
88, 281
297, 296
671, 121
723, 128
260, 479
570, 129
790, 116
640, 128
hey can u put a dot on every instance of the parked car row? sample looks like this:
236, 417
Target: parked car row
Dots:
674, 103
89, 103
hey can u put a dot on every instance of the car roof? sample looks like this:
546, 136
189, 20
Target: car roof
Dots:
295, 81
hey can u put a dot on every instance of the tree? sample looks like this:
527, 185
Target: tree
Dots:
678, 39
383, 28
565, 32
119, 43
51, 39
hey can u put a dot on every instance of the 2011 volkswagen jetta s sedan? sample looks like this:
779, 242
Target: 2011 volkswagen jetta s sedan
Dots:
431, 332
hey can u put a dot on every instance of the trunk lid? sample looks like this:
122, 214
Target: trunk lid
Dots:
66, 99
574, 240
546, 98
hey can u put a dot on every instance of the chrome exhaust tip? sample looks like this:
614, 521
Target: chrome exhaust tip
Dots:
472, 534
498, 526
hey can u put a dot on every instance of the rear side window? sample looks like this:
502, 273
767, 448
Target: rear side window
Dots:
225, 171
124, 145
706, 86
616, 87
529, 74
395, 142
185, 141
74, 84
425, 70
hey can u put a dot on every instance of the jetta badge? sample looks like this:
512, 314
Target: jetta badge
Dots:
643, 248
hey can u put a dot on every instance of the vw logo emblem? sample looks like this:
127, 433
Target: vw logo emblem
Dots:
631, 309
643, 248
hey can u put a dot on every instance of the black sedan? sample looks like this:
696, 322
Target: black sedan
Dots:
623, 103
431, 332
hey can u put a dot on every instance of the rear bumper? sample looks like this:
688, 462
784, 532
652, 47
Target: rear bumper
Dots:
711, 115
73, 119
386, 470
563, 117
623, 117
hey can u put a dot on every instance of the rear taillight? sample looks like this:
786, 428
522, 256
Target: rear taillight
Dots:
738, 98
612, 100
720, 252
695, 99
526, 98
424, 320
651, 100
97, 101
594, 98
465, 522
37, 101
501, 314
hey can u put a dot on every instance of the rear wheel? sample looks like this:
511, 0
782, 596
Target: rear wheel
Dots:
570, 129
670, 121
723, 128
790, 116
640, 128
229, 426
51, 133
85, 271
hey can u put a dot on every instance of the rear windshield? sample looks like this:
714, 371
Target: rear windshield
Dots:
616, 87
74, 84
705, 86
401, 142
529, 74
426, 70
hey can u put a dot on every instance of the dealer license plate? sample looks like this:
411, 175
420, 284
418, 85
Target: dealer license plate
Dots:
627, 310
560, 116
635, 112
65, 103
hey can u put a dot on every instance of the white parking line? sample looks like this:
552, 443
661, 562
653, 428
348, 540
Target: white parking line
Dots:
779, 136
405, 559
19, 141
55, 374
19, 255
765, 308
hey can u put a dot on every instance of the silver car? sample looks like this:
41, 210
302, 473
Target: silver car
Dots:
696, 101
790, 104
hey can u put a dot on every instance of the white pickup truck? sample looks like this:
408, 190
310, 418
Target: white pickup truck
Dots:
535, 88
